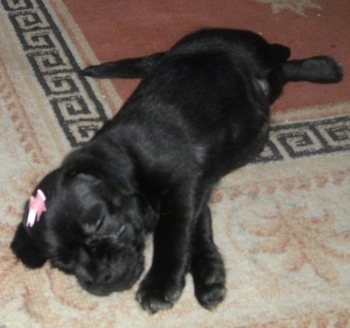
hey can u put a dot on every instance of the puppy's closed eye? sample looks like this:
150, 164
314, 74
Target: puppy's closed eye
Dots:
91, 228
99, 224
95, 220
96, 238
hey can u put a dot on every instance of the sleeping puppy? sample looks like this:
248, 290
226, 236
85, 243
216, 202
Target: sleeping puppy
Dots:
201, 111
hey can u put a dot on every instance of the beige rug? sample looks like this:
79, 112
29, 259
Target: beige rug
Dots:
282, 223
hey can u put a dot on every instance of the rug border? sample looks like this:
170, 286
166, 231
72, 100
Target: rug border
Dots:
80, 113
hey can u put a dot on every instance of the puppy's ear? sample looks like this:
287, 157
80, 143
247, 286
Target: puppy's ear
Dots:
25, 248
90, 169
279, 53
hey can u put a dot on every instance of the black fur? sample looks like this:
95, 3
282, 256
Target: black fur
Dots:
201, 111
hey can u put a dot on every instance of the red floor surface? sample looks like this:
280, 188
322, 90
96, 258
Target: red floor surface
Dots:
119, 29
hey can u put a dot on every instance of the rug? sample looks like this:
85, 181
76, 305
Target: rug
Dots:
281, 223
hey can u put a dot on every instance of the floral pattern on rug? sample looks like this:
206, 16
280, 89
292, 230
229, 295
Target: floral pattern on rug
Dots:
281, 223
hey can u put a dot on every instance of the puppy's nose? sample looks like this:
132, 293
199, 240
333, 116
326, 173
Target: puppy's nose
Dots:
86, 283
107, 278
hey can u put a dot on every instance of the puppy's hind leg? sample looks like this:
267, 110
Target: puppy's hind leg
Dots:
206, 265
126, 68
320, 69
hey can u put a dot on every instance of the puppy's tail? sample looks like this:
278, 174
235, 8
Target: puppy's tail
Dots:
125, 68
320, 69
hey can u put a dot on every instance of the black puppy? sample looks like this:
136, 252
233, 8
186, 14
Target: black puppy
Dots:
201, 111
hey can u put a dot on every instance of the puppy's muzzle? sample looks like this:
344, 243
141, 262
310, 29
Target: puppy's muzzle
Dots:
116, 275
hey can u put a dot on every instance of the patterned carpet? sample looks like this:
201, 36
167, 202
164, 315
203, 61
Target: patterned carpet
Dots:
282, 222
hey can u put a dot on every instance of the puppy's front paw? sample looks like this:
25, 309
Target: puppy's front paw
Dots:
210, 290
209, 280
156, 294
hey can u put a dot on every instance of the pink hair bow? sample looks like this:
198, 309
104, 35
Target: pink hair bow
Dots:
36, 207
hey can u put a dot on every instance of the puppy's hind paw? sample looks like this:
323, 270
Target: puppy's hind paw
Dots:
98, 71
324, 69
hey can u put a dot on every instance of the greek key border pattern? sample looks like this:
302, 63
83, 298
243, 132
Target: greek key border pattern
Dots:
76, 107
305, 139
80, 113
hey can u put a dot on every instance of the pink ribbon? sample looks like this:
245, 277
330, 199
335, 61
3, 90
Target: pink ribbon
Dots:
37, 207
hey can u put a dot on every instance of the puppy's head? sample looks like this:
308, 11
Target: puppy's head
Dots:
93, 227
